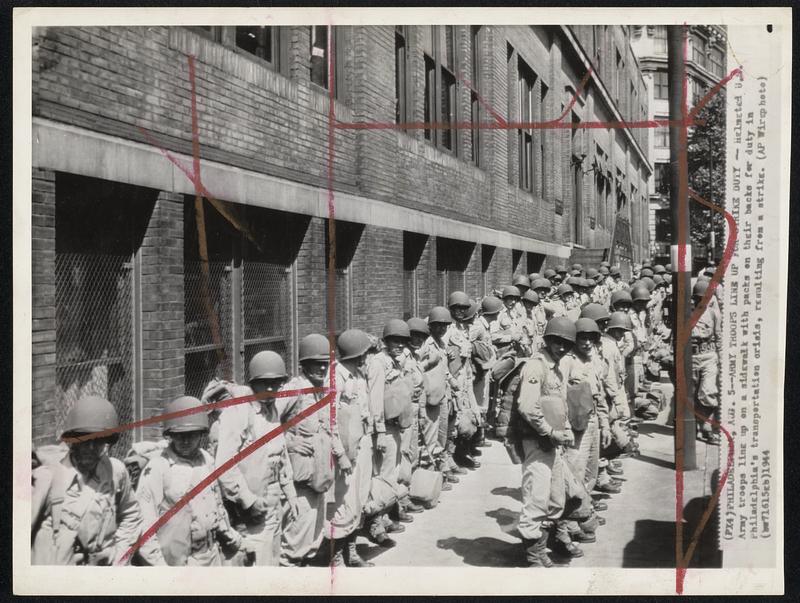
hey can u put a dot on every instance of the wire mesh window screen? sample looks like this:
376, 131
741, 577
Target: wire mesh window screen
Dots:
94, 334
266, 309
208, 354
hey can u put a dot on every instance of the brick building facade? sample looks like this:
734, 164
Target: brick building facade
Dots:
118, 251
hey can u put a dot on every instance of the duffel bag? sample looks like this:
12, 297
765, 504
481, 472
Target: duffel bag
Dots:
382, 495
426, 485
580, 404
397, 398
351, 428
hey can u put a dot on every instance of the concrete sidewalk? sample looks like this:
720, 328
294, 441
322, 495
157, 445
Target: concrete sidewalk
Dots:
475, 523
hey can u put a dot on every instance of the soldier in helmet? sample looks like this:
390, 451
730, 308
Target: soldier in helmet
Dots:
252, 488
351, 488
531, 329
390, 389
522, 283
194, 534
310, 443
83, 509
409, 437
507, 335
484, 357
706, 347
540, 427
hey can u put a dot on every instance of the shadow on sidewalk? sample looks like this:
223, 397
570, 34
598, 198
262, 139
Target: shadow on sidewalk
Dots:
653, 543
515, 493
485, 551
505, 518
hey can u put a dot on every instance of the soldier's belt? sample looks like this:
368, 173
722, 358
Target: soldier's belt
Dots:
701, 347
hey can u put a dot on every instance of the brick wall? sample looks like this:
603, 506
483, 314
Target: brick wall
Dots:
162, 311
43, 294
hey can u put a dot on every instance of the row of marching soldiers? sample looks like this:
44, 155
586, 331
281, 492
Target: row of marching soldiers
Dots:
544, 365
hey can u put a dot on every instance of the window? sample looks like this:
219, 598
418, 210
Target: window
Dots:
662, 178
528, 112
698, 91
618, 76
319, 56
699, 50
660, 39
476, 42
440, 84
662, 138
401, 75
266, 43
716, 62
661, 85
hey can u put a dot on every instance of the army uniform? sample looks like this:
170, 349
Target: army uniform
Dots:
350, 492
266, 474
192, 536
433, 359
543, 482
83, 520
706, 341
302, 536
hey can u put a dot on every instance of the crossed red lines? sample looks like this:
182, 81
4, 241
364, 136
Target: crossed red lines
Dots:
683, 330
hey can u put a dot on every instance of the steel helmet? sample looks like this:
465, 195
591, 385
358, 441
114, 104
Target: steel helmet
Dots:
647, 264
646, 272
458, 298
511, 291
595, 311
472, 311
620, 320
492, 305
614, 271
533, 276
313, 347
521, 279
564, 289
352, 343
649, 283
396, 328
620, 296
589, 283
197, 421
668, 278
91, 414
659, 269
592, 273
561, 270
668, 267
574, 281
577, 267
531, 296
267, 365
541, 283
658, 279
417, 325
604, 270
605, 264
586, 325
700, 288
439, 314
576, 273
640, 293
549, 273
561, 327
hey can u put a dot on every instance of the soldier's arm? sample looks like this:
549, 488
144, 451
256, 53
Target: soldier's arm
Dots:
232, 425
42, 481
286, 475
150, 494
376, 381
333, 425
608, 391
129, 518
530, 391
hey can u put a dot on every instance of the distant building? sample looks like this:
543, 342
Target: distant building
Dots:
705, 66
118, 298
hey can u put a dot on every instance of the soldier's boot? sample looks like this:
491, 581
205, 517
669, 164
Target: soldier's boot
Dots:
338, 559
562, 542
351, 556
536, 551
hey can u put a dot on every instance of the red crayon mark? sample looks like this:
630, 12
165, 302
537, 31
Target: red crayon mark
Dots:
686, 121
498, 118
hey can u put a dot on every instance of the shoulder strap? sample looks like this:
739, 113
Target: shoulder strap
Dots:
58, 489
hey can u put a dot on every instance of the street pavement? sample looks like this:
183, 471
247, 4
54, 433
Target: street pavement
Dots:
475, 523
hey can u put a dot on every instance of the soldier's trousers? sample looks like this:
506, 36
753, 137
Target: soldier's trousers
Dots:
583, 456
302, 535
350, 493
430, 432
704, 374
480, 389
263, 536
387, 463
543, 487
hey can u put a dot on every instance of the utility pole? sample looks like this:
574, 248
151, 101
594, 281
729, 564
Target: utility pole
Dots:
685, 454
